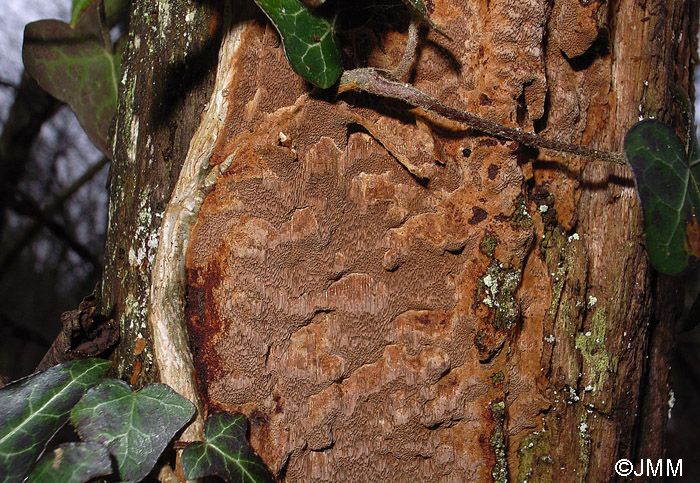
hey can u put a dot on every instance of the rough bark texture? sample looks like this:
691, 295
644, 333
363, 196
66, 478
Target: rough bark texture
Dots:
167, 75
493, 322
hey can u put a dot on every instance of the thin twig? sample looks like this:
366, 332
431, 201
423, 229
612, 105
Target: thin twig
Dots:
104, 27
24, 205
21, 242
409, 53
380, 83
6, 83
25, 333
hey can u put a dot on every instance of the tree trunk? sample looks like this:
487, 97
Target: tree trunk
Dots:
167, 77
497, 320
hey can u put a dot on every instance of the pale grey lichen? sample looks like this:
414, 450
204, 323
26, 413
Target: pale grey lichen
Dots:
671, 402
498, 287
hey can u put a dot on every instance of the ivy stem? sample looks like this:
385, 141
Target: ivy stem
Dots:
106, 37
379, 82
409, 53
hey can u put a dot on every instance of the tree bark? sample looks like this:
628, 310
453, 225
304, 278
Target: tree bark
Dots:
497, 321
167, 76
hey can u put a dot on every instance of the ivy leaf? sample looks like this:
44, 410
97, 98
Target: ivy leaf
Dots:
667, 183
75, 66
34, 408
72, 463
134, 426
225, 453
79, 6
113, 10
309, 41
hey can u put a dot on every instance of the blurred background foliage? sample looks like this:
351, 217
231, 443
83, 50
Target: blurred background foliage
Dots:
53, 202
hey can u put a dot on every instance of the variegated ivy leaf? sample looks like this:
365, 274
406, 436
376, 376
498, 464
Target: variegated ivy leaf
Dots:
34, 408
134, 426
667, 175
72, 463
309, 41
226, 452
79, 6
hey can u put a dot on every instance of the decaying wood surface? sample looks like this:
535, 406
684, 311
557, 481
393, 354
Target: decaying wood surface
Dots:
492, 322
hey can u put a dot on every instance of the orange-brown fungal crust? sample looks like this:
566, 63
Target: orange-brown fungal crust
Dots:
347, 296
135, 372
139, 345
388, 298
578, 24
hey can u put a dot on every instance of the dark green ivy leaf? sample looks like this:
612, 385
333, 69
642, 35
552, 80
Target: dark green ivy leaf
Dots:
225, 453
76, 67
72, 463
667, 183
134, 426
34, 408
311, 46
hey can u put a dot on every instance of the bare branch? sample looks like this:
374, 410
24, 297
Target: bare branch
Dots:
54, 206
380, 83
6, 83
31, 108
26, 334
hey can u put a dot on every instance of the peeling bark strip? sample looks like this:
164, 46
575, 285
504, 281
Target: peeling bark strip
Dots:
167, 295
488, 322
167, 76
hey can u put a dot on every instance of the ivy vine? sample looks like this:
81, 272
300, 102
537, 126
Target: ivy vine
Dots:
123, 432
